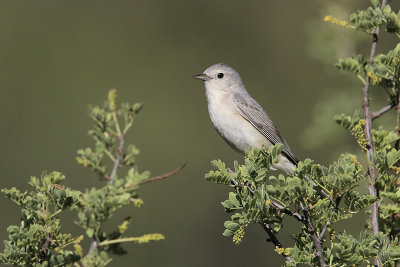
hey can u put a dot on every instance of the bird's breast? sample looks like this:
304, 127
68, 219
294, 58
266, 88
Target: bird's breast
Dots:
233, 128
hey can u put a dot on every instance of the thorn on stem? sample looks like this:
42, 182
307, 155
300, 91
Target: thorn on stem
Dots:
375, 37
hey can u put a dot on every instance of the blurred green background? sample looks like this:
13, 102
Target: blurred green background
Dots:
57, 57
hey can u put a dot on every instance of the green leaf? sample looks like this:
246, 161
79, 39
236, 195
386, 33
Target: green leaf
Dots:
234, 199
393, 156
221, 175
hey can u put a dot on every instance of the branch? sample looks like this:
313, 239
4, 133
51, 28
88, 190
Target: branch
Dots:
328, 222
368, 136
274, 240
159, 177
117, 158
93, 246
314, 238
376, 114
139, 239
294, 214
321, 235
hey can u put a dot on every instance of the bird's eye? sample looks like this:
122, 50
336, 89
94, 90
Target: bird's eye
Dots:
220, 75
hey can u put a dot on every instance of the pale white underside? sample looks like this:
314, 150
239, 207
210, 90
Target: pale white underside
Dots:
235, 129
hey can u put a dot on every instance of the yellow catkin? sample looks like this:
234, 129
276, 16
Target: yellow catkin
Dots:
337, 21
373, 78
112, 94
238, 236
358, 132
123, 226
282, 251
78, 250
138, 202
79, 239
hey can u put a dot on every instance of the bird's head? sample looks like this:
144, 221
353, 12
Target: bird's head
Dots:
221, 77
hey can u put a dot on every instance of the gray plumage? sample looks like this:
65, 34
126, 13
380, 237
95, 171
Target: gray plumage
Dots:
254, 113
238, 118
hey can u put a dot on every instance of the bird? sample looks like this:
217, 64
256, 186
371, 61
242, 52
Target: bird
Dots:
238, 118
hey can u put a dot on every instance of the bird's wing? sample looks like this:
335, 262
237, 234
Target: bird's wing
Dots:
250, 110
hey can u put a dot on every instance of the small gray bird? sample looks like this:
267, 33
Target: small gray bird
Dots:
238, 118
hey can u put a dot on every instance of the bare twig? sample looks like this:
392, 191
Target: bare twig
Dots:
321, 235
159, 177
274, 239
166, 175
368, 136
294, 214
328, 222
376, 114
93, 246
117, 157
46, 245
314, 238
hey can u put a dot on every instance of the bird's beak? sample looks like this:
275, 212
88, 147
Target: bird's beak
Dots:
202, 77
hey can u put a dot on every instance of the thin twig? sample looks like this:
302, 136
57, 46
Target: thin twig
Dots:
314, 238
166, 175
368, 136
328, 222
47, 244
93, 246
117, 158
321, 235
376, 114
159, 177
274, 240
294, 214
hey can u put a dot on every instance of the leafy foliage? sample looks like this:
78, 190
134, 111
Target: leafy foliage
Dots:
318, 197
38, 241
314, 195
385, 68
